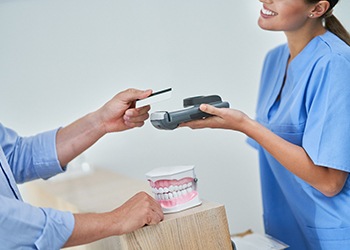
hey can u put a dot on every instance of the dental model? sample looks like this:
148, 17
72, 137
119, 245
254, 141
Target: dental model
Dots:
175, 188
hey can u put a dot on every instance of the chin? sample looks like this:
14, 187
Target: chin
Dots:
263, 24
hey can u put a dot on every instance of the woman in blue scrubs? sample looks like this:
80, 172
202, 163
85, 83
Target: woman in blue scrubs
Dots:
302, 126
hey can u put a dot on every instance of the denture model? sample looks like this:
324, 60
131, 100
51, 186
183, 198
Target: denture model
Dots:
175, 188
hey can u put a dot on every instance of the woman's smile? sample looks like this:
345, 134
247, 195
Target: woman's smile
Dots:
267, 13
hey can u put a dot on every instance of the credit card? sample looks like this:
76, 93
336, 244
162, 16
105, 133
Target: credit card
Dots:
155, 97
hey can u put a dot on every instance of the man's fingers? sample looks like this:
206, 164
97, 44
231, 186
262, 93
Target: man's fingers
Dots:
155, 218
136, 117
131, 95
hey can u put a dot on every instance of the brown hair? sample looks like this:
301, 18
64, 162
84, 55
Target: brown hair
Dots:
332, 24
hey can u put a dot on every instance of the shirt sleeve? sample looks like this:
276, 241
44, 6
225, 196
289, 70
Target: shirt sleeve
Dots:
31, 157
326, 136
26, 227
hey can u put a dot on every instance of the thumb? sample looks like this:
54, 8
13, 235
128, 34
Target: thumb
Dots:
131, 95
207, 108
145, 93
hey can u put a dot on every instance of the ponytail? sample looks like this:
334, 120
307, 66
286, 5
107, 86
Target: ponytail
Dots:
332, 24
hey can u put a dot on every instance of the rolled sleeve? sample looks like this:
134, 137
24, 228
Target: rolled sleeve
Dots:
24, 226
32, 157
45, 157
57, 229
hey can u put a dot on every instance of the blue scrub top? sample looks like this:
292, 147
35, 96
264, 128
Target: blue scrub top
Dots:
313, 112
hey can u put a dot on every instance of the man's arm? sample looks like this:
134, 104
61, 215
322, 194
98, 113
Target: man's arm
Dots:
26, 226
116, 115
137, 212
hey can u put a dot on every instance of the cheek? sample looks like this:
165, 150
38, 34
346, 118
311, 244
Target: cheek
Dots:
295, 22
294, 17
288, 20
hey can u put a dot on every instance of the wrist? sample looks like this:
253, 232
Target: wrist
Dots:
89, 227
97, 123
113, 225
248, 126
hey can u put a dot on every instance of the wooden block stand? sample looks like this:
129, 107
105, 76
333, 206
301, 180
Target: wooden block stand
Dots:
203, 227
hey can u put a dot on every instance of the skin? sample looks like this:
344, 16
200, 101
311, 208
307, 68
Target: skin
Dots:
300, 22
137, 212
118, 114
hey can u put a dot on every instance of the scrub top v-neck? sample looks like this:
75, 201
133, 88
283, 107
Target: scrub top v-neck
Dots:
313, 111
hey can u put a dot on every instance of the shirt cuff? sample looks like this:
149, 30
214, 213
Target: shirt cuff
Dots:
57, 230
45, 155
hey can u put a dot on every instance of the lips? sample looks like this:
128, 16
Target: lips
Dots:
267, 12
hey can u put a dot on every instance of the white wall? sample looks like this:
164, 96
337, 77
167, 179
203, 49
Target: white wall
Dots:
62, 59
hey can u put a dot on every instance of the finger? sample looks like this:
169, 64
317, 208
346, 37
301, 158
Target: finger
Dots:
154, 219
137, 111
134, 124
131, 95
207, 108
156, 207
158, 218
136, 119
144, 109
197, 124
160, 213
145, 94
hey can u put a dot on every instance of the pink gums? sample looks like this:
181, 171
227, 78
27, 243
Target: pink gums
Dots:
183, 198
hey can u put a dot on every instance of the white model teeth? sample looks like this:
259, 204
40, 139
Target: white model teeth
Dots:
268, 12
168, 193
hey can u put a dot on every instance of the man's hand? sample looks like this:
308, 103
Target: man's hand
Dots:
138, 211
120, 113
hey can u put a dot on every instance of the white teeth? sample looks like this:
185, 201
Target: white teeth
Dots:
167, 193
268, 12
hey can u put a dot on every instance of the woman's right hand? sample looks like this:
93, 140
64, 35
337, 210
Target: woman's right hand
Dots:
224, 118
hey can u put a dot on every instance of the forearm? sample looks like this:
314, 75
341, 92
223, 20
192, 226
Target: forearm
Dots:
116, 115
139, 210
295, 159
90, 227
75, 138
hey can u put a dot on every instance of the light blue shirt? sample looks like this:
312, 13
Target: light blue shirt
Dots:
23, 226
313, 112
